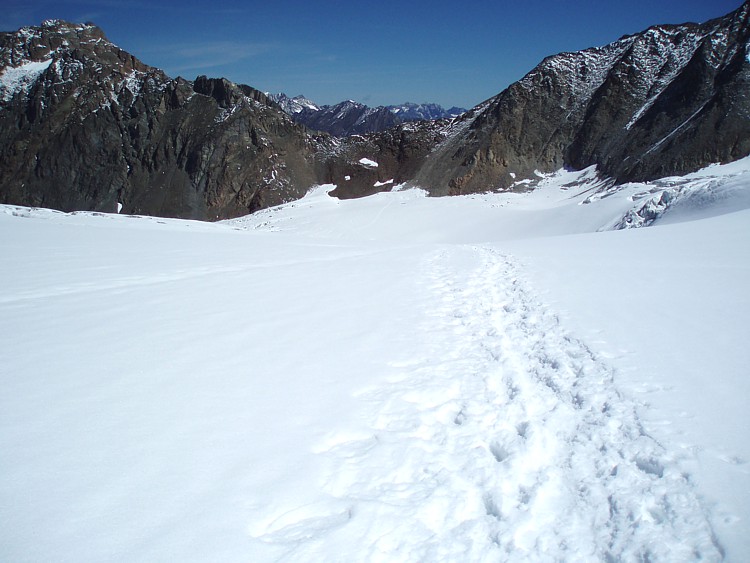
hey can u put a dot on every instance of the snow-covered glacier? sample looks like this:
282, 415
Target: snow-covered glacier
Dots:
496, 377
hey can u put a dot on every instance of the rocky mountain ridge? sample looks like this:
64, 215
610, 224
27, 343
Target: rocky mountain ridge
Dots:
353, 118
292, 106
85, 125
409, 111
347, 118
661, 102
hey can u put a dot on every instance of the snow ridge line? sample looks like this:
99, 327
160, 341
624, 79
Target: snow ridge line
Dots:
507, 441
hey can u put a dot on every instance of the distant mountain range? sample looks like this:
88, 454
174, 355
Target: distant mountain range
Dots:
350, 117
85, 125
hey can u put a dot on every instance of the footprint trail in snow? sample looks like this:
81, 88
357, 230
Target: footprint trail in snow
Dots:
507, 441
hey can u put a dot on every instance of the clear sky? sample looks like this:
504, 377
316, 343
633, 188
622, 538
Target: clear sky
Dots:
452, 53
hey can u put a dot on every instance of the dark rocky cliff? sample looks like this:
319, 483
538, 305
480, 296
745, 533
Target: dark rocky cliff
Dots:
85, 126
665, 101
362, 165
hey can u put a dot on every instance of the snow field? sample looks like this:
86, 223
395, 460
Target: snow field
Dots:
394, 378
506, 441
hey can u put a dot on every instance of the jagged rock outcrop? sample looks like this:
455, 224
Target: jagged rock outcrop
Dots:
362, 165
665, 101
86, 126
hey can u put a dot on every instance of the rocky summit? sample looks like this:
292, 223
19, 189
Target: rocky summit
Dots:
86, 126
662, 102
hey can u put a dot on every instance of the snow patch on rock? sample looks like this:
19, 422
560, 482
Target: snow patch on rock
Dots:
20, 79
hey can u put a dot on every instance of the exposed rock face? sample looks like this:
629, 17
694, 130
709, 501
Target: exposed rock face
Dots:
665, 101
85, 126
362, 165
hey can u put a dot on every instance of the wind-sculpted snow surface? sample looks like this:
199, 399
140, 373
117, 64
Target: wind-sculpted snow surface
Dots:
383, 379
507, 441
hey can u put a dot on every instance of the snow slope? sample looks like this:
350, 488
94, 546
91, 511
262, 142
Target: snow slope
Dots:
393, 378
21, 78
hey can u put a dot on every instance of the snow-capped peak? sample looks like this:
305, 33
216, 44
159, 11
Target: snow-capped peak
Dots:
293, 105
410, 111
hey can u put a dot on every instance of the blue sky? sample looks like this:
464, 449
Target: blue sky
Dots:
378, 53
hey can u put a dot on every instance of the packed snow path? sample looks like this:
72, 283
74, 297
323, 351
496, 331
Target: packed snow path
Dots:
506, 441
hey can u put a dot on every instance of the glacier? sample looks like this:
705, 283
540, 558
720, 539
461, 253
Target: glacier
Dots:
494, 377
